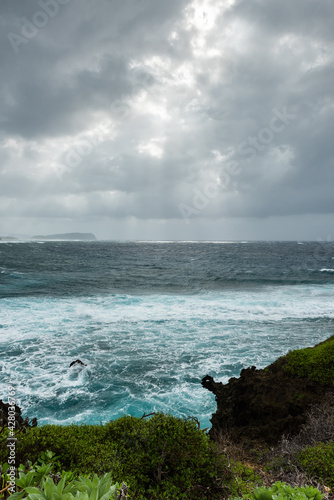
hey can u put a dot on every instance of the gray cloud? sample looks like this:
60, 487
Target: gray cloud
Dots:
163, 117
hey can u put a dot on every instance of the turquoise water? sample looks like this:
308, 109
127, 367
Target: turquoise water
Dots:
150, 320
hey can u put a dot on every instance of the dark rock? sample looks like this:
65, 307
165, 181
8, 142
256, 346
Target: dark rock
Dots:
77, 362
262, 405
209, 383
20, 422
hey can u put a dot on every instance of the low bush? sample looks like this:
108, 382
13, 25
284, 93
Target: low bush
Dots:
245, 479
282, 491
318, 461
160, 458
314, 363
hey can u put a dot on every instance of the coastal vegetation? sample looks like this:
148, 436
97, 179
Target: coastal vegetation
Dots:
312, 363
161, 457
158, 457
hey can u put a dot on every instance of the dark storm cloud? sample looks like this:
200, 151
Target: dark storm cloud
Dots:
75, 65
141, 109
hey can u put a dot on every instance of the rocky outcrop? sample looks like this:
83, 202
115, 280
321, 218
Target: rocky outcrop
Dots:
20, 422
262, 405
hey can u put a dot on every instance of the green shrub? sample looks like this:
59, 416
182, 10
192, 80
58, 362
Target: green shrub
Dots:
315, 363
245, 479
160, 458
282, 491
318, 461
77, 446
164, 457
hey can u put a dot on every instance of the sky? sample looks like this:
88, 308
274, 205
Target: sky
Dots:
167, 120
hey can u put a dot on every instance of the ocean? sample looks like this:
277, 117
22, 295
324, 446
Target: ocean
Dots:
150, 319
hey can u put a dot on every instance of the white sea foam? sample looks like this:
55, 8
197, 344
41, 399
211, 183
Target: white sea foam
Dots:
148, 353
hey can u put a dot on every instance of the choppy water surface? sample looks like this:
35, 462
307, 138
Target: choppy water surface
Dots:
151, 319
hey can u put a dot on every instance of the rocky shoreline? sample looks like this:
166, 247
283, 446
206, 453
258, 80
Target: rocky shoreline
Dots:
271, 424
263, 405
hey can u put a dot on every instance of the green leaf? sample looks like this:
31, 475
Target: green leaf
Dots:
32, 490
25, 480
17, 496
69, 488
49, 488
38, 496
94, 495
108, 494
81, 495
5, 467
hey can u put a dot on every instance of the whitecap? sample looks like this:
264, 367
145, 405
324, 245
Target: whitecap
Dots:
150, 352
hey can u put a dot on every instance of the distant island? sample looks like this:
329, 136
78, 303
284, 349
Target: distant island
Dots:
8, 238
67, 236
